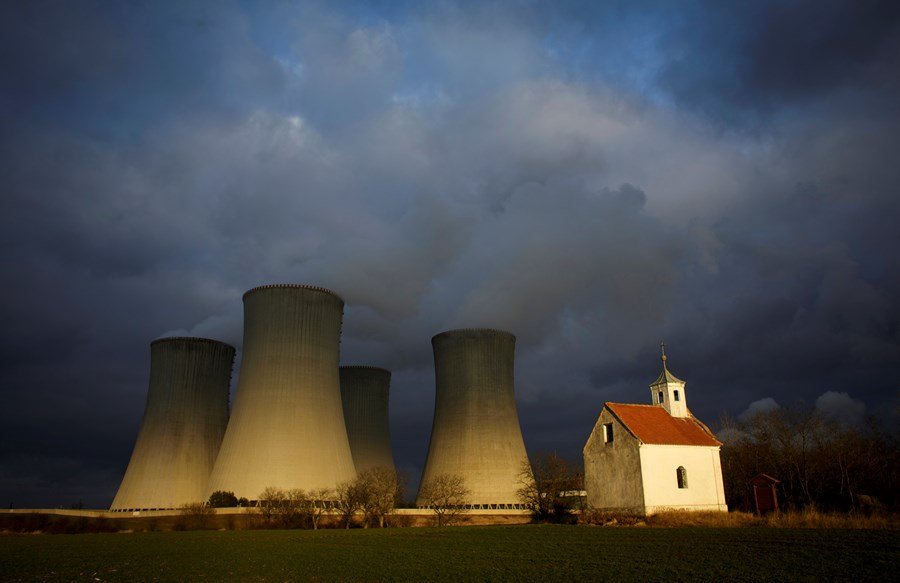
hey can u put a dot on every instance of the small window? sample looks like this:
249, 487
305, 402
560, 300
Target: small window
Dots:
681, 475
660, 397
677, 398
608, 432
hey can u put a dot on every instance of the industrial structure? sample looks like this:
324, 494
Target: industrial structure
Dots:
301, 421
651, 458
364, 393
287, 427
476, 432
184, 421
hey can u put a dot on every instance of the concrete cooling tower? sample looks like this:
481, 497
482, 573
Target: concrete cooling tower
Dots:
364, 391
183, 425
476, 431
287, 425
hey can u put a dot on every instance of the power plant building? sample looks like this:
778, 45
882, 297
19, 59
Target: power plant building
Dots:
476, 432
183, 424
287, 426
364, 392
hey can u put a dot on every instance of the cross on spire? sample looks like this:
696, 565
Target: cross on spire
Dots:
662, 348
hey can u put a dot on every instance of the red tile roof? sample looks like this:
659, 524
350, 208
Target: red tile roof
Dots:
653, 425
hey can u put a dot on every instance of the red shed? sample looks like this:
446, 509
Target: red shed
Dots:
764, 493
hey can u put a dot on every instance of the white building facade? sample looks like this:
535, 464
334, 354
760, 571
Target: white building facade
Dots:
652, 458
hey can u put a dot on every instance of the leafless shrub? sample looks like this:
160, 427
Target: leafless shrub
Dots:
711, 519
812, 518
194, 516
595, 517
807, 518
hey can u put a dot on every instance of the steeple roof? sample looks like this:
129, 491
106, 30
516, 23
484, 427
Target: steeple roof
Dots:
665, 376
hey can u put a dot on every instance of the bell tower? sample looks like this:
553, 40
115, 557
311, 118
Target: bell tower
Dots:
667, 391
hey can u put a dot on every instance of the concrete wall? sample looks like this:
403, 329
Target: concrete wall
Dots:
612, 471
287, 428
364, 393
704, 478
476, 431
184, 421
401, 516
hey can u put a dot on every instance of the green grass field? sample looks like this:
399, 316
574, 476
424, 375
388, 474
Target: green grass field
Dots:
511, 553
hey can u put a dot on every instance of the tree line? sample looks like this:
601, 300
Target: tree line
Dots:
369, 500
821, 463
549, 488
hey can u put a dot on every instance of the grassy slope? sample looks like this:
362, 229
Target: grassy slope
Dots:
451, 554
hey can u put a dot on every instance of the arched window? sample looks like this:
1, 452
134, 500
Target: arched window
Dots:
660, 395
681, 475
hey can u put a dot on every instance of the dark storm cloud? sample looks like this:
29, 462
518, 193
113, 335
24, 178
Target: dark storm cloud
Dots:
738, 62
579, 174
772, 55
114, 68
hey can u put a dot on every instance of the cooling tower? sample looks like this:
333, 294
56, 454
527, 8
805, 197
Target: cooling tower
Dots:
476, 431
287, 425
364, 392
183, 425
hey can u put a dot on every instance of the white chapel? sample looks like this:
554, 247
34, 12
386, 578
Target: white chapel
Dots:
651, 458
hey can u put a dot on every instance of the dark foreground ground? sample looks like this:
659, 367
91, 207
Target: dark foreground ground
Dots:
509, 553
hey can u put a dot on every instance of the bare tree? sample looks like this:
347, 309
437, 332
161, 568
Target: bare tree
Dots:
316, 505
548, 485
447, 495
380, 492
271, 500
348, 500
295, 508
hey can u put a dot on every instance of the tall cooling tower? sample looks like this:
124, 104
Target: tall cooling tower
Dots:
476, 431
183, 425
364, 391
287, 427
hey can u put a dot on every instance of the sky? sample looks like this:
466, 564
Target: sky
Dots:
594, 177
